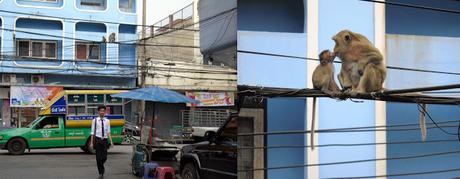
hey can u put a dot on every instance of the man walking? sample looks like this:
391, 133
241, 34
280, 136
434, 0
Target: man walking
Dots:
100, 132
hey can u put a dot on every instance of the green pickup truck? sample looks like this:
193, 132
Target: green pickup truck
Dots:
57, 127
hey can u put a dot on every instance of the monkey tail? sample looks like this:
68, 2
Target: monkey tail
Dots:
312, 127
422, 121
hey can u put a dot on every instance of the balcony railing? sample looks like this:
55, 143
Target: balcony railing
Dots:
175, 20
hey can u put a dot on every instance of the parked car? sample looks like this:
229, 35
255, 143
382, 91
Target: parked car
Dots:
130, 131
214, 158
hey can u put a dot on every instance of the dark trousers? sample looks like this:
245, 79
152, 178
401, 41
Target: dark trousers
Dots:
101, 154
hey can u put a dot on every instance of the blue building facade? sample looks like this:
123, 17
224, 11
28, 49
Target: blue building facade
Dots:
408, 37
77, 44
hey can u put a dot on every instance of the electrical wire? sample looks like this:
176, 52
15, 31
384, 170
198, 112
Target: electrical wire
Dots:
413, 6
86, 20
314, 59
355, 161
401, 174
349, 144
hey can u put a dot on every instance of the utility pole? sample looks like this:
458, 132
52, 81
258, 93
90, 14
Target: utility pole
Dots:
143, 65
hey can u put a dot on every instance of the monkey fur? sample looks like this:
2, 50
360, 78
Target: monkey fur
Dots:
323, 76
362, 64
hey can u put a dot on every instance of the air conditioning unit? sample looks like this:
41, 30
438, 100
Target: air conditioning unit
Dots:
37, 79
9, 78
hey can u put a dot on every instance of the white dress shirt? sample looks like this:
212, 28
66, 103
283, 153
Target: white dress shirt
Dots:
99, 127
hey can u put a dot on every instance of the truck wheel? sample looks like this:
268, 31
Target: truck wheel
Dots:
189, 171
16, 146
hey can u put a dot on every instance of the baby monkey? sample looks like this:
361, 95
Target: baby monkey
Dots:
323, 76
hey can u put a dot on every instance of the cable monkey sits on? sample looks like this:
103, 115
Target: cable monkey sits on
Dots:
362, 64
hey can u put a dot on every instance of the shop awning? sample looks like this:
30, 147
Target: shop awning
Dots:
156, 94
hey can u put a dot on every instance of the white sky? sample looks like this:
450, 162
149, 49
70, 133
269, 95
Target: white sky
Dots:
159, 9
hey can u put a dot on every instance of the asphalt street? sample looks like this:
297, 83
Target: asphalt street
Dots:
65, 163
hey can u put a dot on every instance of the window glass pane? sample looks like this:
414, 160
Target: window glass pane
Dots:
76, 110
229, 132
91, 2
37, 49
95, 98
76, 99
110, 99
126, 5
48, 123
118, 109
81, 51
50, 50
81, 110
23, 48
92, 110
94, 52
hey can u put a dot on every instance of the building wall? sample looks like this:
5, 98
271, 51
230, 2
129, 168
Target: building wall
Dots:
219, 32
305, 33
430, 43
358, 17
271, 16
64, 25
283, 114
182, 68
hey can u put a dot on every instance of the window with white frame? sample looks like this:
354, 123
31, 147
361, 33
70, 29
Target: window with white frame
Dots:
126, 5
92, 2
37, 49
85, 51
53, 1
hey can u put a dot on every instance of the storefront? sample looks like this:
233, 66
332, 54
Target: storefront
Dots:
26, 102
5, 112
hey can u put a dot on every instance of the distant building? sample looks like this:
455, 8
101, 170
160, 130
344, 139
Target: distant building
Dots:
173, 60
63, 43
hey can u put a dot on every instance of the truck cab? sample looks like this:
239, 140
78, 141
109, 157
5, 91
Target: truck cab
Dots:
43, 132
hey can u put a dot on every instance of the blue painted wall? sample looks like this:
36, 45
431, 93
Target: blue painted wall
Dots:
399, 113
271, 15
283, 114
401, 20
271, 71
356, 16
57, 4
430, 43
64, 31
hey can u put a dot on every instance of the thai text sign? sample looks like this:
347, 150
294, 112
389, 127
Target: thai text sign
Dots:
212, 98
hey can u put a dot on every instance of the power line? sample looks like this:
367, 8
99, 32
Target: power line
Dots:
292, 132
354, 161
86, 20
314, 59
158, 68
132, 72
201, 21
85, 40
349, 144
402, 174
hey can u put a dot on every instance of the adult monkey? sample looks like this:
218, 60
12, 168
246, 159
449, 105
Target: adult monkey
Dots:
362, 64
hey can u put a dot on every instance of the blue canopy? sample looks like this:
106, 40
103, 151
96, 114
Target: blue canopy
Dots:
156, 94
